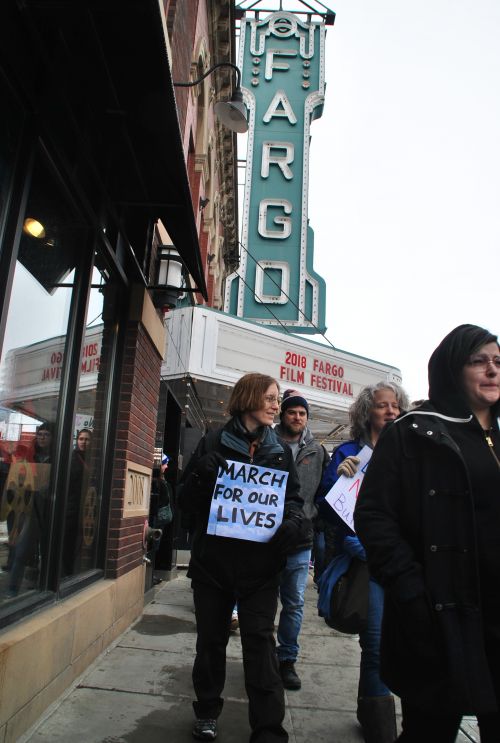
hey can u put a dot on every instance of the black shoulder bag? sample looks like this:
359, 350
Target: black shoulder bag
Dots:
349, 599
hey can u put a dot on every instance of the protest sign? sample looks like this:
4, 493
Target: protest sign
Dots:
342, 497
247, 502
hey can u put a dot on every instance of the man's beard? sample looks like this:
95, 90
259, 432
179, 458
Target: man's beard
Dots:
293, 431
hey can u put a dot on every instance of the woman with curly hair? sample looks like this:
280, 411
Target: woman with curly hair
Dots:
375, 406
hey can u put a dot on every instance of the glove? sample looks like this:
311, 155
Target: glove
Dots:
203, 477
287, 535
348, 466
207, 468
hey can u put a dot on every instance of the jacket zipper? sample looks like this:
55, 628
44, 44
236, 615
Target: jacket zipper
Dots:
489, 441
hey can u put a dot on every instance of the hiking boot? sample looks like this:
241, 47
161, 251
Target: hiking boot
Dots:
289, 675
205, 729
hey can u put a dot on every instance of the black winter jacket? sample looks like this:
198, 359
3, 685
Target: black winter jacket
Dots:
235, 564
415, 517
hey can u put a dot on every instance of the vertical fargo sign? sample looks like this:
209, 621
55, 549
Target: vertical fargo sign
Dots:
282, 62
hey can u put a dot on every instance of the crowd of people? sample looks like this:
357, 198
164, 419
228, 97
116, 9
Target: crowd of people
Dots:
256, 499
426, 522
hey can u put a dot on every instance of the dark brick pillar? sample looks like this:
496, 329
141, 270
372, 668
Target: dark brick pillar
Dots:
135, 441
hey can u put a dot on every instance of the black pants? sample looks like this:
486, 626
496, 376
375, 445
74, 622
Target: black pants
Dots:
429, 726
256, 613
432, 727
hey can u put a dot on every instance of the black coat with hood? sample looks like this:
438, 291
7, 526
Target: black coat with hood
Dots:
419, 516
236, 565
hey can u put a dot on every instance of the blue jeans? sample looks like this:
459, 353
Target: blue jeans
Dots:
370, 683
292, 588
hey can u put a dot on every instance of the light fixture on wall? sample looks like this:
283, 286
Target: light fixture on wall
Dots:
46, 232
232, 113
169, 278
33, 228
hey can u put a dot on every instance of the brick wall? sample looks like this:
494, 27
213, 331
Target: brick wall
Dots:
135, 441
182, 33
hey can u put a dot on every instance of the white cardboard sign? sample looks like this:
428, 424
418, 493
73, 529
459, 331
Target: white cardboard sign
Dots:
343, 495
247, 502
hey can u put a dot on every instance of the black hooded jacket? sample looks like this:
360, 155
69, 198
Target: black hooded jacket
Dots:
428, 506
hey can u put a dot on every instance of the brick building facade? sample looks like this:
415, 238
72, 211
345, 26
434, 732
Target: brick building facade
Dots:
101, 158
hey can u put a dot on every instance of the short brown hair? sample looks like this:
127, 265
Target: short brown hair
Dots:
248, 392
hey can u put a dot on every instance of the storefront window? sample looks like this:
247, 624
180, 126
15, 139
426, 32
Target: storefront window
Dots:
83, 511
31, 365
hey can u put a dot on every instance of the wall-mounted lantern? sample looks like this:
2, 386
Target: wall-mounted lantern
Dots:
169, 278
232, 113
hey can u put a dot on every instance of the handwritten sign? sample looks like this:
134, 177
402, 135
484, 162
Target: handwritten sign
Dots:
247, 502
342, 497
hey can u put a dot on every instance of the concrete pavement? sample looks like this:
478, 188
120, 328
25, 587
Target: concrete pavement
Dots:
140, 689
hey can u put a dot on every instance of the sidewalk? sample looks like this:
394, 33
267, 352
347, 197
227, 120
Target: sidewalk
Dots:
139, 691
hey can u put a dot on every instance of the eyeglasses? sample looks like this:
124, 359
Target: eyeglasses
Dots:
272, 399
480, 362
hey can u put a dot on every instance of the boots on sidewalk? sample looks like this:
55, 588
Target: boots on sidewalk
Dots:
289, 675
377, 717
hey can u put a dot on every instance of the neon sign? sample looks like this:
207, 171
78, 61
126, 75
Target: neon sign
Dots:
282, 62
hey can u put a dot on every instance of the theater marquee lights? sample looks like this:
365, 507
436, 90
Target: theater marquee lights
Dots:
282, 59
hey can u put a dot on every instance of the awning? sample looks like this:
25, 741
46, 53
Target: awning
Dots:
109, 81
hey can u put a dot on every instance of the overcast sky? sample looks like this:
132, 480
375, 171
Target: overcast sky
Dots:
405, 177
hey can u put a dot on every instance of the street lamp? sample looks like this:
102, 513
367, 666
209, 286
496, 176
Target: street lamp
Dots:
232, 113
169, 277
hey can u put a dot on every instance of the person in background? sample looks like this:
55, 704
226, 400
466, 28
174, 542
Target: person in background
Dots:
428, 514
78, 484
375, 406
310, 459
83, 441
224, 570
42, 448
32, 547
160, 506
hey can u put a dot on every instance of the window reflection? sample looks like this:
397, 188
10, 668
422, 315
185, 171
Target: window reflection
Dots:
31, 366
27, 510
84, 500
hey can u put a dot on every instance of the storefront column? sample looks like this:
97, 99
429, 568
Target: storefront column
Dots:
135, 439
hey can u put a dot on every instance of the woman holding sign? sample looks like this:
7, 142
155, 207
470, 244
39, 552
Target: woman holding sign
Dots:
428, 514
374, 407
242, 489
